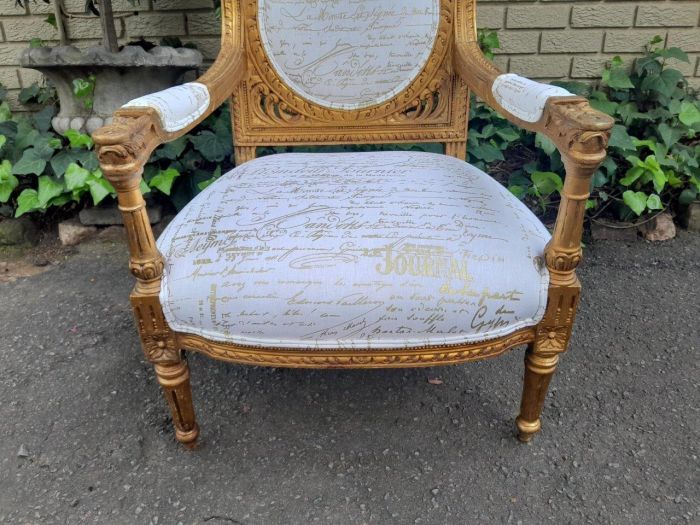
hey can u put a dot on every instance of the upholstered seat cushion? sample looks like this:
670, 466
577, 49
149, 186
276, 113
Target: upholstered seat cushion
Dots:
354, 250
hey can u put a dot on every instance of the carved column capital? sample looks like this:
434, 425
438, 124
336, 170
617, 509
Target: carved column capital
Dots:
579, 131
147, 270
123, 147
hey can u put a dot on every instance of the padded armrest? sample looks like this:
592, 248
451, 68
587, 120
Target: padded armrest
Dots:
523, 97
177, 107
566, 119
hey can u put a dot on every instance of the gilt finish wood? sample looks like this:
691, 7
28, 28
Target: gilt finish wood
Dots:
433, 108
392, 358
581, 135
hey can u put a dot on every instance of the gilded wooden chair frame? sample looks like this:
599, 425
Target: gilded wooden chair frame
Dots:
433, 108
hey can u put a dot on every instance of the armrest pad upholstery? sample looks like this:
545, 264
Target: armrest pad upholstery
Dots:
178, 106
524, 98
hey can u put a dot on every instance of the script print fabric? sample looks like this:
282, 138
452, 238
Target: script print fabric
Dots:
354, 250
348, 55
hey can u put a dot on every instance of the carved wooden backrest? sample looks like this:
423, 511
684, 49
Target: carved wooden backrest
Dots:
337, 71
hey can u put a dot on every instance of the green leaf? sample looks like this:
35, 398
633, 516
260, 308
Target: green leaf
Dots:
27, 201
51, 20
99, 189
518, 191
164, 180
29, 164
674, 52
654, 202
546, 145
61, 161
5, 113
665, 83
669, 135
144, 187
619, 138
77, 139
632, 175
44, 145
42, 118
486, 152
546, 182
8, 182
687, 196
48, 189
35, 43
690, 114
212, 147
83, 90
509, 134
60, 200
3, 140
208, 182
637, 201
26, 134
172, 150
616, 77
605, 106
28, 95
76, 177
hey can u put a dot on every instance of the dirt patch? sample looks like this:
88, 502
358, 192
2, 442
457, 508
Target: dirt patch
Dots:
26, 261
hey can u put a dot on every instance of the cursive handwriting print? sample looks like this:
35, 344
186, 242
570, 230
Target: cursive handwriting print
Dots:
388, 249
348, 54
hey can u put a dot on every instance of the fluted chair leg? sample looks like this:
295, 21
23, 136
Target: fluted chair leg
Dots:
174, 378
539, 370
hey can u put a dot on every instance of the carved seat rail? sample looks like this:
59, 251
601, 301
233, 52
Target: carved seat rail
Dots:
274, 65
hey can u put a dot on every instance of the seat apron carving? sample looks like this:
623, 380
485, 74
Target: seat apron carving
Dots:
353, 260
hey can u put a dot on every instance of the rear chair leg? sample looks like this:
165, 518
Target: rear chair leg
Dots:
539, 370
174, 378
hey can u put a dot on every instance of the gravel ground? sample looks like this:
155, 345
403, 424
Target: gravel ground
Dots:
86, 437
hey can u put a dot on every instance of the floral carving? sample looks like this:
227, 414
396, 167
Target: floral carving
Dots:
552, 339
160, 347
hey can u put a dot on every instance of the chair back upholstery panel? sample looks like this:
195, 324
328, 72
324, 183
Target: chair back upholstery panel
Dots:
361, 71
348, 55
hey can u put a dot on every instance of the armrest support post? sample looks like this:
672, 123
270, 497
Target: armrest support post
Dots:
124, 146
579, 132
123, 149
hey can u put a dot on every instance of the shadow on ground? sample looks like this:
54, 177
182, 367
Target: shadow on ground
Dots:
619, 444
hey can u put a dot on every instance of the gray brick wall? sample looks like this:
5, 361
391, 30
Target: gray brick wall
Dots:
543, 39
558, 39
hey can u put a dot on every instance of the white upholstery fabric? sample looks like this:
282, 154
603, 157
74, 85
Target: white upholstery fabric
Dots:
348, 55
178, 106
378, 250
523, 97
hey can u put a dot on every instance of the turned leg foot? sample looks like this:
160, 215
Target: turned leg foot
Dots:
538, 373
174, 378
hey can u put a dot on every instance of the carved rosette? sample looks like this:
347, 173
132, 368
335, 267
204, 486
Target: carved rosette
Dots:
160, 347
552, 339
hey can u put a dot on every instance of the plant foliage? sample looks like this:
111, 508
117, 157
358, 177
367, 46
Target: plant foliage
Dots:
653, 161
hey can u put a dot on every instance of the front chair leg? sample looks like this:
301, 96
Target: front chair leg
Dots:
539, 370
174, 378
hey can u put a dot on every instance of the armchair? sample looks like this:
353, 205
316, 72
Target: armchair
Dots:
323, 260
